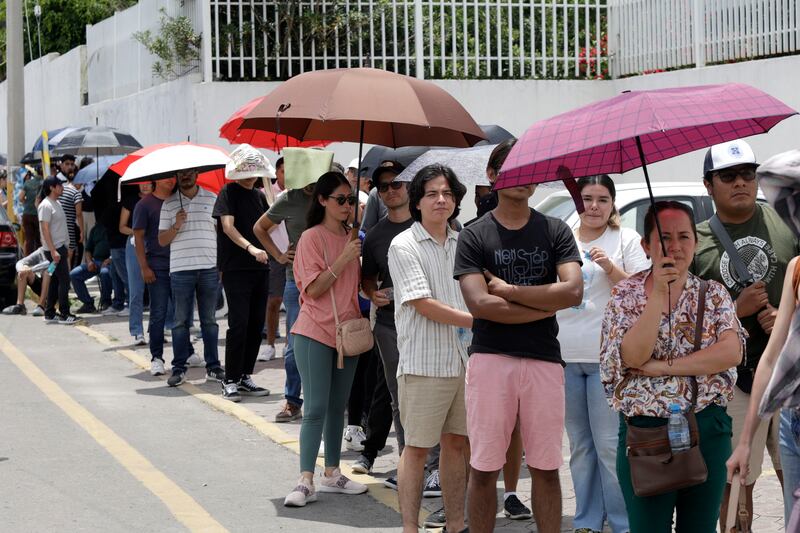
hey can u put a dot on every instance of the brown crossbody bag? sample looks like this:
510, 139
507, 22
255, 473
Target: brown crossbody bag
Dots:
654, 468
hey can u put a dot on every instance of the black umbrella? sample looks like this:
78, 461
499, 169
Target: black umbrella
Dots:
97, 141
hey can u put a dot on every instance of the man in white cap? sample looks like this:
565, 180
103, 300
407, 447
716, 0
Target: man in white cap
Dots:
245, 269
762, 246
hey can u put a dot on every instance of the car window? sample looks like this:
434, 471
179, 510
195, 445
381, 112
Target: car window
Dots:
632, 215
557, 206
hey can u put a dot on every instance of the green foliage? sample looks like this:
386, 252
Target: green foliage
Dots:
176, 46
63, 25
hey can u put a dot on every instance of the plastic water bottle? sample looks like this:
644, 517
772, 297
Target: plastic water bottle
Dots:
465, 336
678, 429
51, 267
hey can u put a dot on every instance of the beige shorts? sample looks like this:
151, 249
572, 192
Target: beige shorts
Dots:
766, 436
430, 407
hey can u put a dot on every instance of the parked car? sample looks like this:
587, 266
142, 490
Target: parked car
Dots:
633, 201
9, 255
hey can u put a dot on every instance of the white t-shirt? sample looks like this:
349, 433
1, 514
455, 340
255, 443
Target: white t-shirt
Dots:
579, 327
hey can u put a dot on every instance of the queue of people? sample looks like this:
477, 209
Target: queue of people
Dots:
490, 341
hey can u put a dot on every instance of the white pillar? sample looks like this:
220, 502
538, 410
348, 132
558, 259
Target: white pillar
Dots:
699, 33
205, 8
15, 75
419, 45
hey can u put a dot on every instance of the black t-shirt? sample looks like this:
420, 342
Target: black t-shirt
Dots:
246, 207
110, 220
525, 257
375, 260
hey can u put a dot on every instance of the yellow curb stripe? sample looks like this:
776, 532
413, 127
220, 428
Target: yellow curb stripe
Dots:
271, 430
185, 509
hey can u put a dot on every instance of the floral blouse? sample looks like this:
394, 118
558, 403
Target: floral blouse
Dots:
652, 396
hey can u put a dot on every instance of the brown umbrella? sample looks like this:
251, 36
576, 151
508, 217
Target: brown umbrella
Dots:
365, 105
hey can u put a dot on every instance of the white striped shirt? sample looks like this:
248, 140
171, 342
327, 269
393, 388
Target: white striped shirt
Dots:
195, 245
422, 268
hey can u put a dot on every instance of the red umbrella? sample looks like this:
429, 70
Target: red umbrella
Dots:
636, 128
233, 132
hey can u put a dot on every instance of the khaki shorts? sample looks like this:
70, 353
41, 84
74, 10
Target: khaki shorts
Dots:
766, 436
430, 407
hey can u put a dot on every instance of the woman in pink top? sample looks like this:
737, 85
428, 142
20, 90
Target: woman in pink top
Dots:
326, 266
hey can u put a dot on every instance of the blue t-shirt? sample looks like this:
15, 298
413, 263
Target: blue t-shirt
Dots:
146, 216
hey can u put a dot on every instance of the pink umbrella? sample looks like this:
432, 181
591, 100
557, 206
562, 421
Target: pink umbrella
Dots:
636, 128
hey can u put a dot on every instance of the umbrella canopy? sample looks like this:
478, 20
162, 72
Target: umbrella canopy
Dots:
233, 132
90, 174
636, 128
53, 138
469, 164
97, 141
365, 105
166, 161
495, 134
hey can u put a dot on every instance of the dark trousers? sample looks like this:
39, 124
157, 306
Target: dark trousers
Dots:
59, 285
379, 420
30, 225
247, 292
360, 393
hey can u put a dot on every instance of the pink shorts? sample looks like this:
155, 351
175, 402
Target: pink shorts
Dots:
500, 388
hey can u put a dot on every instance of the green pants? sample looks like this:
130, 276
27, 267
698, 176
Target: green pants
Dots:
325, 393
697, 507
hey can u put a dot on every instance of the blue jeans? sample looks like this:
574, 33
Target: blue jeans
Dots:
790, 458
81, 273
291, 301
185, 285
592, 430
119, 277
160, 312
135, 285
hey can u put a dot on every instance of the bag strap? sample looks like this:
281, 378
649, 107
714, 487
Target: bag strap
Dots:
333, 298
744, 276
698, 333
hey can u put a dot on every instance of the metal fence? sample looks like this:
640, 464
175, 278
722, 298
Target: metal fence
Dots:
269, 39
654, 35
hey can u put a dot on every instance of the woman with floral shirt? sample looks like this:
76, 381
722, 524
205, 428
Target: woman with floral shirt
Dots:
647, 355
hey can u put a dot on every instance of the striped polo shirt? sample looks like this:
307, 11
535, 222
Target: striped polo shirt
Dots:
195, 244
422, 268
70, 198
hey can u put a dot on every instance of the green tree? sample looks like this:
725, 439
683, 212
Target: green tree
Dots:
63, 25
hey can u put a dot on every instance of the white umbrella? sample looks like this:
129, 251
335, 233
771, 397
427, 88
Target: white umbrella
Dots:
166, 162
469, 164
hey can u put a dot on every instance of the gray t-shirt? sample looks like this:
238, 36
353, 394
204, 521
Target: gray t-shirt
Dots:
374, 211
50, 211
291, 207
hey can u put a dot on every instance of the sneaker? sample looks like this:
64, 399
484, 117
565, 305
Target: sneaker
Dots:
230, 391
432, 488
177, 378
16, 309
353, 435
586, 530
103, 306
194, 359
436, 519
139, 340
68, 320
302, 494
215, 374
50, 319
38, 311
390, 483
515, 509
362, 465
341, 484
123, 312
267, 354
248, 387
157, 367
289, 413
111, 311
87, 309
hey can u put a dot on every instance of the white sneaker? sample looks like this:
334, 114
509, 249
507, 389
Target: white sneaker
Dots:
340, 484
195, 360
267, 354
353, 436
125, 312
139, 340
302, 494
157, 367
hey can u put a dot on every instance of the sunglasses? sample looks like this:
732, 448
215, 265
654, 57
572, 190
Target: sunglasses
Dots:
748, 174
395, 185
341, 199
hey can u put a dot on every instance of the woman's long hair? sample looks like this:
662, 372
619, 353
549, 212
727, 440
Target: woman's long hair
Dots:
605, 181
327, 183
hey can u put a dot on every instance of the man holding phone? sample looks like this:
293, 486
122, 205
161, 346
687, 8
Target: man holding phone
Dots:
291, 208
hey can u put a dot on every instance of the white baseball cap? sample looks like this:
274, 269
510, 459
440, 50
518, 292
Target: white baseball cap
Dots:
726, 155
353, 163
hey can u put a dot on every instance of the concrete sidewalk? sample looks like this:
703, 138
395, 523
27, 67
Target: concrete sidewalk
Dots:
768, 497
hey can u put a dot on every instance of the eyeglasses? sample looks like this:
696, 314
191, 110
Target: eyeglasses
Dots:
341, 199
395, 185
747, 174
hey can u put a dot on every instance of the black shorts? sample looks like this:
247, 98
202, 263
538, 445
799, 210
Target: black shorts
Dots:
277, 278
